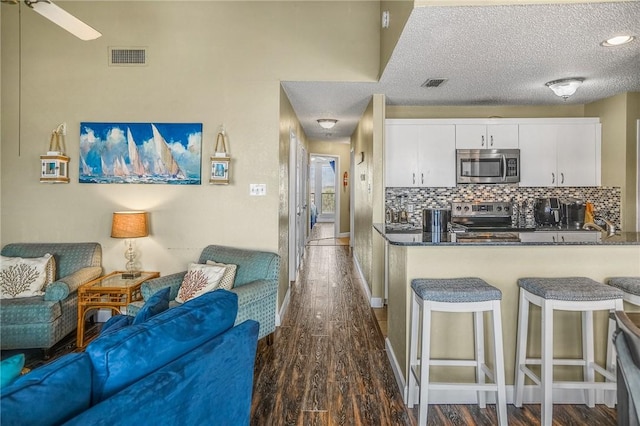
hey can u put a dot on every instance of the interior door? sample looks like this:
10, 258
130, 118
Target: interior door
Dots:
297, 204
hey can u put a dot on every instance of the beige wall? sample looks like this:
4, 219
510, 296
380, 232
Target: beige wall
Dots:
504, 111
208, 62
618, 116
399, 12
342, 151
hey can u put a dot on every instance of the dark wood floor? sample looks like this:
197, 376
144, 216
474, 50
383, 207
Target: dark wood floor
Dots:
328, 364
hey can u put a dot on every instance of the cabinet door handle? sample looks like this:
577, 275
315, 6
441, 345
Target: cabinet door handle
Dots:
414, 178
482, 143
562, 177
422, 177
563, 238
491, 140
554, 238
553, 178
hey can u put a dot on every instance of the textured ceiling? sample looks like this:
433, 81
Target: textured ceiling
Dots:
490, 55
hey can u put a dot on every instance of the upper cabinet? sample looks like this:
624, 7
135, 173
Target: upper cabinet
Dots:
418, 154
560, 154
486, 136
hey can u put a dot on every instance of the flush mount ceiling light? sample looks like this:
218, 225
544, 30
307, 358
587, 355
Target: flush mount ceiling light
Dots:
565, 87
64, 19
618, 40
327, 123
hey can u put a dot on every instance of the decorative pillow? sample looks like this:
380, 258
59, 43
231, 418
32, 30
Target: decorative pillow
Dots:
10, 369
25, 277
116, 323
229, 274
157, 303
199, 280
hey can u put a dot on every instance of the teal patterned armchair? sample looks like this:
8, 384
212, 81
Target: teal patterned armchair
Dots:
42, 321
256, 284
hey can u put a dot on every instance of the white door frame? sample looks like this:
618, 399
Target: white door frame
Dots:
638, 176
298, 217
336, 188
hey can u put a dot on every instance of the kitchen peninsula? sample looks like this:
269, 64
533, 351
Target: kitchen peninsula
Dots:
410, 255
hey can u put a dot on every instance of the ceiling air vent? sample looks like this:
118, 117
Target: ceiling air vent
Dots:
434, 82
119, 56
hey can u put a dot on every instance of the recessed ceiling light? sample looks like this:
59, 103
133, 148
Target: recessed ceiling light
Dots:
618, 40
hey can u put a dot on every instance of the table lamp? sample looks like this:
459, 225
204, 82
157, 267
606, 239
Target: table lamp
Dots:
130, 225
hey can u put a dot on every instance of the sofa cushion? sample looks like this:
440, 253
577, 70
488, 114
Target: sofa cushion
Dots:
122, 358
10, 369
25, 277
198, 280
115, 323
28, 310
156, 304
49, 395
229, 274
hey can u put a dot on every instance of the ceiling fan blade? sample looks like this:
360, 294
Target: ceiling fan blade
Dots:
64, 19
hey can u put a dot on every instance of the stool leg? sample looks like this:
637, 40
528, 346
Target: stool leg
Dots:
498, 356
425, 355
521, 350
611, 396
588, 356
546, 377
413, 350
478, 321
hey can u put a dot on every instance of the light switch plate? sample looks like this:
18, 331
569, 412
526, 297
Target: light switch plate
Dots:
257, 189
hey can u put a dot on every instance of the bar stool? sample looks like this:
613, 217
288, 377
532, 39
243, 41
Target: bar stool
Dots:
565, 294
455, 295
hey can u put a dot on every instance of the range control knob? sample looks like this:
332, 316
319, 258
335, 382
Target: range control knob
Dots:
506, 208
458, 208
499, 208
466, 208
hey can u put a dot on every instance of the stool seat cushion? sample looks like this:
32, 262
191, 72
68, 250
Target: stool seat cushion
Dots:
627, 284
570, 289
455, 290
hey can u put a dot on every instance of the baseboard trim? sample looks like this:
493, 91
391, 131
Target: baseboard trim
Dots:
374, 302
284, 307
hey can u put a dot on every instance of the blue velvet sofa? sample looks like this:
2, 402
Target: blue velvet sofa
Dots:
42, 321
188, 365
256, 284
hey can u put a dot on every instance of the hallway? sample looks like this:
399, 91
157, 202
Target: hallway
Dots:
327, 365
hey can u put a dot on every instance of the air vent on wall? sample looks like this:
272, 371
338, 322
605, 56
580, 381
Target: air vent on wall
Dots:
132, 56
434, 82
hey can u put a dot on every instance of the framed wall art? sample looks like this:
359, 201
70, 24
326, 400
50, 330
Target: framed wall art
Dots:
220, 160
151, 153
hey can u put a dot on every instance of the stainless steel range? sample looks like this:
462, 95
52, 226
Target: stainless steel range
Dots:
482, 221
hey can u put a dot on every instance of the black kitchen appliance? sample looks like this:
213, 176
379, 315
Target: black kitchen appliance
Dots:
547, 212
573, 211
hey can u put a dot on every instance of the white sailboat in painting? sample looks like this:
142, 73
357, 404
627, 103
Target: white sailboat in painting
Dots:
137, 168
86, 169
169, 164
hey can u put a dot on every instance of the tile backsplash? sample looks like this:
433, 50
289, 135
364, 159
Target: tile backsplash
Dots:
606, 200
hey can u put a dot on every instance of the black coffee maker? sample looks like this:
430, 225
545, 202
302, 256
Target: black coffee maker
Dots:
547, 212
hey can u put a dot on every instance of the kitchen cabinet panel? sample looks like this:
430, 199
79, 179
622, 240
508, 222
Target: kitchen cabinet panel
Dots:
486, 136
419, 155
560, 154
560, 237
538, 237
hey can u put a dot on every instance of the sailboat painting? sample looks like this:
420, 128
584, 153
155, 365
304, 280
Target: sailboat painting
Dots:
168, 153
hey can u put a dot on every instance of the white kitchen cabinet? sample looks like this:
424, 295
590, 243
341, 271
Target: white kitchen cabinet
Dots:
486, 136
560, 154
538, 237
560, 237
419, 154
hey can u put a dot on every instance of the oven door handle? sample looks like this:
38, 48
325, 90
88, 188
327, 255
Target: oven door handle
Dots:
504, 167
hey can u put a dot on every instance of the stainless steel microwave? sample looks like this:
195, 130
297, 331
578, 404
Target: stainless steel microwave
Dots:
488, 165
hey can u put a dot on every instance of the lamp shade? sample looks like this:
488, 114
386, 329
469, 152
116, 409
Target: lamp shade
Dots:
129, 225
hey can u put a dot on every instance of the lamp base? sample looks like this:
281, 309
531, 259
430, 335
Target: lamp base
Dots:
131, 275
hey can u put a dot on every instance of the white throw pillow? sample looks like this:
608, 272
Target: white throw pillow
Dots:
199, 279
25, 277
229, 276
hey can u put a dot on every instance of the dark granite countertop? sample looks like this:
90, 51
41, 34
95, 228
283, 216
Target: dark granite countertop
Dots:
413, 236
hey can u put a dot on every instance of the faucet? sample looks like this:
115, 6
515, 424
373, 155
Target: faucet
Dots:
591, 225
610, 226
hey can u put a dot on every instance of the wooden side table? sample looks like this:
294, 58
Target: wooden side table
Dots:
110, 291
